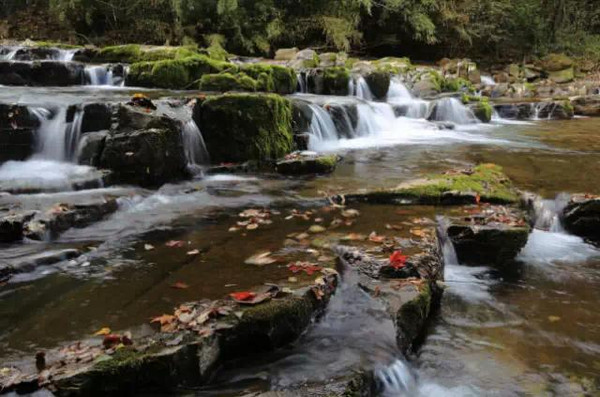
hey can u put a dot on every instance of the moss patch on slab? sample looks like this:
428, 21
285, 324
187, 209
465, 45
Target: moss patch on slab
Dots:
336, 80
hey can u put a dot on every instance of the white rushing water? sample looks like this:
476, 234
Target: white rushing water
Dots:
322, 128
362, 89
99, 75
193, 143
452, 110
57, 139
487, 80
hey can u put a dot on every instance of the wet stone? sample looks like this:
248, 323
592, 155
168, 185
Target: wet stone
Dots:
581, 216
307, 163
12, 225
32, 262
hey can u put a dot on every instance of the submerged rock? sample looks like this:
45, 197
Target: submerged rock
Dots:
303, 163
581, 216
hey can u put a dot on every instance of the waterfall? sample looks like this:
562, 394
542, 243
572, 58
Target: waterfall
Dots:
10, 55
193, 143
547, 213
398, 91
374, 118
487, 80
351, 87
301, 86
57, 139
396, 380
99, 75
64, 55
322, 127
362, 89
451, 109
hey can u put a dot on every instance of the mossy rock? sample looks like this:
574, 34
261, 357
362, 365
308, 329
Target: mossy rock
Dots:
393, 65
411, 318
272, 78
308, 165
485, 183
379, 83
456, 85
224, 82
164, 53
241, 127
483, 110
175, 73
555, 62
336, 81
562, 76
128, 53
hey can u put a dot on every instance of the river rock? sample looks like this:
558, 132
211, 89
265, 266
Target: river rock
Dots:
61, 217
286, 54
555, 110
90, 148
489, 235
587, 105
12, 224
41, 73
379, 83
581, 216
558, 67
17, 132
302, 164
145, 147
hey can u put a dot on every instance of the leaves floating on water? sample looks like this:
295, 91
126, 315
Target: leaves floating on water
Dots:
316, 229
260, 259
102, 331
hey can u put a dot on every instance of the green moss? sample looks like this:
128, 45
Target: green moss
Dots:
224, 82
412, 316
487, 180
556, 62
56, 44
175, 73
241, 127
457, 84
163, 53
568, 107
283, 79
128, 53
335, 81
122, 358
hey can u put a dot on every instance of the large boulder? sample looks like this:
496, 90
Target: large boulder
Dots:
144, 148
286, 54
558, 67
379, 83
44, 73
336, 81
581, 216
241, 127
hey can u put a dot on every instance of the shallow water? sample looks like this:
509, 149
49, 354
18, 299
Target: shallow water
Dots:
532, 331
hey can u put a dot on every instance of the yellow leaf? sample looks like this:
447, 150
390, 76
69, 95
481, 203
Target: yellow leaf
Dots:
103, 331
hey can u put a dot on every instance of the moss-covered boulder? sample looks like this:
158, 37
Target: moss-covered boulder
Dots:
130, 53
224, 82
307, 163
558, 67
489, 235
587, 105
483, 183
144, 148
581, 216
122, 53
482, 109
336, 81
241, 127
175, 73
379, 83
272, 78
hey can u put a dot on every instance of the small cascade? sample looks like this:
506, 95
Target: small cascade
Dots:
418, 109
451, 109
487, 80
322, 127
10, 54
57, 139
362, 89
64, 55
374, 118
99, 75
351, 87
547, 213
302, 86
398, 91
396, 379
193, 143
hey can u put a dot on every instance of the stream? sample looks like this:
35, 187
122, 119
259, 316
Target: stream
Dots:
531, 331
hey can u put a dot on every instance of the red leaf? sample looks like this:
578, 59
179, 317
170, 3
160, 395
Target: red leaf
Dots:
397, 260
243, 296
111, 340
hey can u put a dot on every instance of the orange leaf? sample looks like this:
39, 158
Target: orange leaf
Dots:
163, 320
242, 296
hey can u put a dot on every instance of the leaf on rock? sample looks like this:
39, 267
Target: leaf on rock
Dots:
193, 252
261, 259
375, 238
397, 260
102, 331
148, 247
174, 243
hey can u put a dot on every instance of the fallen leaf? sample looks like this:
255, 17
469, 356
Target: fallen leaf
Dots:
102, 331
553, 319
148, 247
354, 237
163, 320
260, 259
180, 285
252, 226
307, 267
234, 229
393, 227
418, 232
174, 243
397, 260
242, 296
193, 252
374, 237
111, 340
350, 213
292, 279
316, 229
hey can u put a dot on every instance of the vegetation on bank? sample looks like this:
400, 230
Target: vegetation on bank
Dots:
425, 29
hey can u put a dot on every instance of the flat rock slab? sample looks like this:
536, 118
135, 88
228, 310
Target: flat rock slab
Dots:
304, 163
581, 216
484, 183
33, 261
